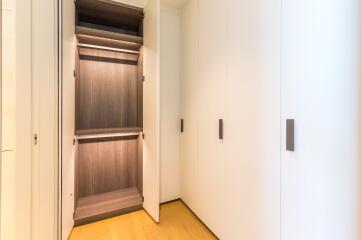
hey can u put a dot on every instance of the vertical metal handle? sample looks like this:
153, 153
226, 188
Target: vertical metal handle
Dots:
290, 135
220, 129
182, 125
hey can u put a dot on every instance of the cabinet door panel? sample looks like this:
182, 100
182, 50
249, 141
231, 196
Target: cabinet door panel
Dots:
211, 94
321, 91
189, 105
253, 120
151, 109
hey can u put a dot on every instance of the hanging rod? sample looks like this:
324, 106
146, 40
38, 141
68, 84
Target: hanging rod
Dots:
109, 135
107, 48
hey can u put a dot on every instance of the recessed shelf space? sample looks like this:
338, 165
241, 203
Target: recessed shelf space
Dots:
109, 24
106, 205
108, 110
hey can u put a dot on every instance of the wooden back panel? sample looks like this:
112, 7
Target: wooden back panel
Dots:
107, 90
107, 165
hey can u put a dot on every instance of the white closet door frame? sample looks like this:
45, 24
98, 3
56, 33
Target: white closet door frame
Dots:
151, 109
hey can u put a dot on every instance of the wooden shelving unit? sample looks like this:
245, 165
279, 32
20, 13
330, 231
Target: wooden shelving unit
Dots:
109, 99
106, 205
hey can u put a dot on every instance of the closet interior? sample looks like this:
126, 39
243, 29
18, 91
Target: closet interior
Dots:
108, 110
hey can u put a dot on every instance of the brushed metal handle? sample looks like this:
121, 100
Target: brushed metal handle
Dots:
290, 135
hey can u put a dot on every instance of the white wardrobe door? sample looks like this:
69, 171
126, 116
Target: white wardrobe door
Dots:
68, 117
253, 119
151, 109
211, 94
321, 91
189, 104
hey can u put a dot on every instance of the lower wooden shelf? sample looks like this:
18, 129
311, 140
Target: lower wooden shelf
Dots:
99, 207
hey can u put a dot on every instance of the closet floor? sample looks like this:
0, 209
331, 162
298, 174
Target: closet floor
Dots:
177, 222
106, 205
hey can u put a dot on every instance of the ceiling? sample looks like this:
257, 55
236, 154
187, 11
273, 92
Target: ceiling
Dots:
141, 3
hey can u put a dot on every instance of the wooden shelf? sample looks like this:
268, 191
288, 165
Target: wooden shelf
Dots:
107, 205
84, 134
110, 12
100, 41
79, 30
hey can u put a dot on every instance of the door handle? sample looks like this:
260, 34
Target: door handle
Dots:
220, 129
290, 135
182, 125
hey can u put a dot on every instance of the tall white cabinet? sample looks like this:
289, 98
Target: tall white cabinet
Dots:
321, 91
256, 64
231, 71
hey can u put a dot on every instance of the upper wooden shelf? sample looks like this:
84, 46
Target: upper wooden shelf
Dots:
108, 11
109, 19
80, 30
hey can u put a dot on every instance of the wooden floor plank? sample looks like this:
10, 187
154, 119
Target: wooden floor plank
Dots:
176, 223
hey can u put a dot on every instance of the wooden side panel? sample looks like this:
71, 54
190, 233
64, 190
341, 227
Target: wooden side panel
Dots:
105, 166
107, 91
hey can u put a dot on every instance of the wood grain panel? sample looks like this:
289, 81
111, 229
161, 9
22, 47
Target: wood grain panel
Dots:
107, 165
108, 91
106, 42
106, 205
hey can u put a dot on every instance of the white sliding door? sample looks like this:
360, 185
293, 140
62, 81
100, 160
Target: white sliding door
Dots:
321, 89
151, 109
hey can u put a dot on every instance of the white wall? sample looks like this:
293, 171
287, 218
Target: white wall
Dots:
169, 102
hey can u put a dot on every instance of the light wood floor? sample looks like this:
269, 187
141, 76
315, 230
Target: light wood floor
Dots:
177, 223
